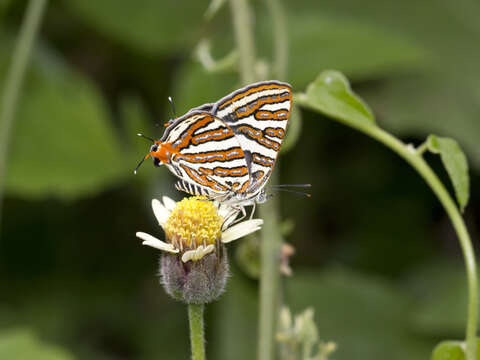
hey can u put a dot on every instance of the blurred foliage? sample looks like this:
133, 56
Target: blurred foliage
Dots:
148, 26
294, 130
441, 98
441, 309
61, 136
372, 52
247, 256
376, 258
23, 344
365, 315
298, 337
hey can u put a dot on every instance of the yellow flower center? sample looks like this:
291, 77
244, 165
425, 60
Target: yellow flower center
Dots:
193, 222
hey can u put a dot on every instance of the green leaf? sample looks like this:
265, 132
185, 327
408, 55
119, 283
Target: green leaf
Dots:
456, 164
62, 142
451, 350
150, 26
331, 94
23, 344
448, 350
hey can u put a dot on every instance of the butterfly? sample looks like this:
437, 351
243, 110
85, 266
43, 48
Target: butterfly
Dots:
227, 150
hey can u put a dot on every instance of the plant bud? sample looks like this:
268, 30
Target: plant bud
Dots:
195, 282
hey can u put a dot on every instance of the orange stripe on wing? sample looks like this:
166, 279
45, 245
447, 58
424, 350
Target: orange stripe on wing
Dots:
252, 108
257, 135
244, 187
275, 132
213, 135
211, 156
263, 160
186, 139
253, 90
225, 172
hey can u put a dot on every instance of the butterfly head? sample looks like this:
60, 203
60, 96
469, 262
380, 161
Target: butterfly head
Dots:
154, 154
160, 152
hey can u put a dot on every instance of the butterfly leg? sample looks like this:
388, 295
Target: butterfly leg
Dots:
253, 210
239, 208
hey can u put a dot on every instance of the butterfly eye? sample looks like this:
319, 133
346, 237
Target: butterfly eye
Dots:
154, 148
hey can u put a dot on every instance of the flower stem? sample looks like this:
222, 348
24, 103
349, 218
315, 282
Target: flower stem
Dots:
16, 73
197, 339
243, 29
416, 160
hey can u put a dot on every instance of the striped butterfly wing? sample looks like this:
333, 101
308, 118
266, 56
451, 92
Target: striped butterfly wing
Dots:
206, 155
258, 114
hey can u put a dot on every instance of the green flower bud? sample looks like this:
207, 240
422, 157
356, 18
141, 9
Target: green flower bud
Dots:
195, 282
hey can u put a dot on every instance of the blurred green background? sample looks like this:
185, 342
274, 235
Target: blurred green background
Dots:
376, 255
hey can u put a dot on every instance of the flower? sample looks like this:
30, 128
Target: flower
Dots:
194, 265
193, 225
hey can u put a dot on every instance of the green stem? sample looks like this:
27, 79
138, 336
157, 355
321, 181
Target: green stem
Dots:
416, 160
243, 29
16, 73
197, 339
271, 238
422, 148
280, 38
269, 277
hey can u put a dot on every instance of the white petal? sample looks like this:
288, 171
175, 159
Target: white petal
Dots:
198, 253
242, 229
169, 203
152, 241
161, 212
187, 255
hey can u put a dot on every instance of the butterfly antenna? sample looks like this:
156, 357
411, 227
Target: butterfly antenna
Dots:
170, 100
292, 185
140, 163
294, 192
146, 137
